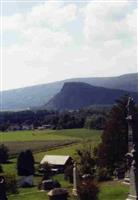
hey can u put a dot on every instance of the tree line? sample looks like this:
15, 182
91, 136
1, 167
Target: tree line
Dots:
88, 118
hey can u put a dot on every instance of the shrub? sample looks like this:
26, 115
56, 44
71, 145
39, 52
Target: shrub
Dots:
88, 190
103, 174
1, 169
95, 122
46, 169
10, 183
86, 159
4, 153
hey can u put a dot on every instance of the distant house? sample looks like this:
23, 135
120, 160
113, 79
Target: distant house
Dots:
14, 127
27, 127
46, 126
57, 162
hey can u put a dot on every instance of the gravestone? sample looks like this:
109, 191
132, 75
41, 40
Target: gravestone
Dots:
26, 181
49, 184
119, 173
58, 194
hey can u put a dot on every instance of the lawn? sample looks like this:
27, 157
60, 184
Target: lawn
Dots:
113, 190
108, 191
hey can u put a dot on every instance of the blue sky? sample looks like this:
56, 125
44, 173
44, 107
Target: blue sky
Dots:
45, 41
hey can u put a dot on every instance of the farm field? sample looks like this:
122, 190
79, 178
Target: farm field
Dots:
35, 135
36, 146
109, 190
39, 141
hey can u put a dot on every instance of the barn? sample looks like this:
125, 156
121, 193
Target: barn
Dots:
57, 162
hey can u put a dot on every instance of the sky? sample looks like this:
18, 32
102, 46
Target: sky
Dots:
46, 41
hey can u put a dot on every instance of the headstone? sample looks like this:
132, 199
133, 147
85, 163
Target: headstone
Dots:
26, 181
58, 194
49, 184
119, 173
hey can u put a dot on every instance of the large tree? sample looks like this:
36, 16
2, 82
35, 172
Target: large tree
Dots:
111, 151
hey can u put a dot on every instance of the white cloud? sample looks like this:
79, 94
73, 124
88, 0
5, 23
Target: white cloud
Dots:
49, 14
49, 51
53, 14
105, 21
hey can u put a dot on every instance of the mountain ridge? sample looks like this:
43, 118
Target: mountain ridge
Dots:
77, 95
38, 95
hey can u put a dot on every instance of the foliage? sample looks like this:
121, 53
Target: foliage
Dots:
1, 169
69, 120
25, 163
103, 174
10, 183
88, 190
47, 170
86, 159
111, 151
57, 120
95, 122
4, 153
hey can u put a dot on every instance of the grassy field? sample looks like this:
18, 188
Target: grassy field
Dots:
44, 140
113, 190
35, 135
108, 191
36, 146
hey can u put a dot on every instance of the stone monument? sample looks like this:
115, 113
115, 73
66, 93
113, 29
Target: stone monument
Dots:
132, 154
75, 180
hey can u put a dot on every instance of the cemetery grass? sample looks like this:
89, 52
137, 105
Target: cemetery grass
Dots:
113, 190
108, 191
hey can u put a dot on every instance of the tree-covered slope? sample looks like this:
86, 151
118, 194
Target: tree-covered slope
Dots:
38, 95
77, 95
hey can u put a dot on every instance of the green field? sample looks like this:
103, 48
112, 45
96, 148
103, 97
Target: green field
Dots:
109, 190
66, 134
40, 141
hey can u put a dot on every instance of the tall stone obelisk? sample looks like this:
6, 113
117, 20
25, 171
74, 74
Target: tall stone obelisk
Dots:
133, 150
75, 181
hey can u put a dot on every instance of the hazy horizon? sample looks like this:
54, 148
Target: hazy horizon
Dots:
48, 41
